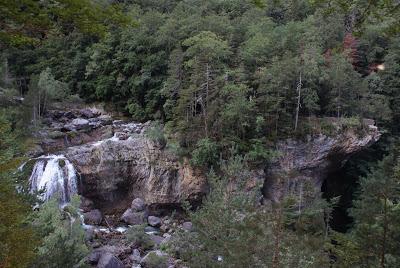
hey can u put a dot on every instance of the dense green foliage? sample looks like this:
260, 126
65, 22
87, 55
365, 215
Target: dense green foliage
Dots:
218, 78
29, 21
17, 237
63, 236
229, 71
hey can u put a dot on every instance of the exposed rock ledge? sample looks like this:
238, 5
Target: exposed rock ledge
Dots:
312, 160
125, 164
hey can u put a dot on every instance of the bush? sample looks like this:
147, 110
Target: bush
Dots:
154, 260
137, 236
135, 110
205, 154
350, 122
63, 236
259, 153
156, 134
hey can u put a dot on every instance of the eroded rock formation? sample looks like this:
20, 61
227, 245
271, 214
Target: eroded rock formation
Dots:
302, 162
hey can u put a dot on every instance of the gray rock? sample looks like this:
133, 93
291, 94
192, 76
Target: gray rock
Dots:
93, 217
107, 260
138, 204
154, 221
133, 218
89, 234
80, 122
167, 238
105, 119
135, 256
187, 226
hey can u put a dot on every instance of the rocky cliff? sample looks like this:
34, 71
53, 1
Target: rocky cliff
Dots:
117, 162
306, 163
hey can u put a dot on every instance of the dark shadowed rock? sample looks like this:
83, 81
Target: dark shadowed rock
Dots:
94, 257
86, 204
93, 217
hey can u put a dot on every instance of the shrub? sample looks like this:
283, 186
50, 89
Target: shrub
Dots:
156, 134
205, 154
154, 260
259, 153
137, 236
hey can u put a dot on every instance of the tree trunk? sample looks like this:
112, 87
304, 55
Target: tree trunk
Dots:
385, 227
277, 243
298, 102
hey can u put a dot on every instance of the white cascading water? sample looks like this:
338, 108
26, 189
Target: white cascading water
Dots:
54, 174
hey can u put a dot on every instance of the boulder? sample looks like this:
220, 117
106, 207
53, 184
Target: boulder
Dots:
154, 221
138, 204
93, 217
132, 217
135, 256
94, 257
157, 239
80, 123
107, 260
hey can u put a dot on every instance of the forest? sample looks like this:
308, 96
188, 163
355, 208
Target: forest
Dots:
224, 85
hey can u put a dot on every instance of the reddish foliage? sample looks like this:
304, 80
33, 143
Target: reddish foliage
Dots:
350, 44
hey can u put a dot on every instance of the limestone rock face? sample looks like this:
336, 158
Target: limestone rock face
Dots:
115, 170
310, 161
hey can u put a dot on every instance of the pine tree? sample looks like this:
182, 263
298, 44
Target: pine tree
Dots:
373, 240
17, 238
206, 55
63, 236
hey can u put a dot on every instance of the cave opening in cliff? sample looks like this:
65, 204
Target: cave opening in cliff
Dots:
343, 182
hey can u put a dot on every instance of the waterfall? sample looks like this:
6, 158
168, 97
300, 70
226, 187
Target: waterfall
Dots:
54, 174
